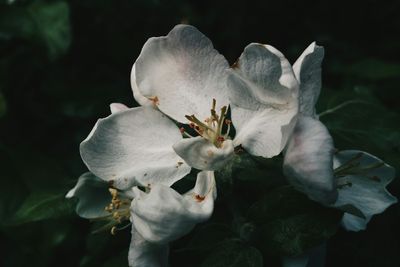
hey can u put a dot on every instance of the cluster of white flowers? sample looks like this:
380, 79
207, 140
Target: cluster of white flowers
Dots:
136, 154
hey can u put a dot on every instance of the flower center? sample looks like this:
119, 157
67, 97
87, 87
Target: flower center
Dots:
212, 127
119, 209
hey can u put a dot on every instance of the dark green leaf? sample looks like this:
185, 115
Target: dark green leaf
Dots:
46, 23
208, 236
234, 253
39, 207
289, 223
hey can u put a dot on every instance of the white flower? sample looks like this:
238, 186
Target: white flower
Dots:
134, 147
157, 217
346, 178
183, 76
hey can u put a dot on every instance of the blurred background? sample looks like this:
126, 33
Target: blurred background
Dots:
63, 62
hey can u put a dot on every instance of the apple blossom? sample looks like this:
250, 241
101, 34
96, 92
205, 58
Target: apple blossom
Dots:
311, 165
183, 76
158, 216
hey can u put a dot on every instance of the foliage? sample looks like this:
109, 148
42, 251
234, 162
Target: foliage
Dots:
63, 62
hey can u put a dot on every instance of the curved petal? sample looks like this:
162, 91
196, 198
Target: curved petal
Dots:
134, 147
117, 107
183, 72
93, 196
146, 254
264, 100
367, 190
201, 154
307, 69
163, 215
143, 101
266, 132
308, 161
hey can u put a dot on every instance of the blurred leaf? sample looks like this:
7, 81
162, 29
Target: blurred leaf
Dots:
46, 23
3, 105
290, 223
120, 260
374, 69
234, 253
39, 207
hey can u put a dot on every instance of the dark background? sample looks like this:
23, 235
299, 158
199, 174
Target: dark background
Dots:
62, 63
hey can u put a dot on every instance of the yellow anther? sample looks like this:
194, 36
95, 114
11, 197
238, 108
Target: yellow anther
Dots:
113, 230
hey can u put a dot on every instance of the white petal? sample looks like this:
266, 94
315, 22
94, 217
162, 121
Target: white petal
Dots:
308, 161
143, 101
367, 192
307, 69
146, 254
93, 196
117, 107
264, 99
134, 147
266, 131
184, 72
163, 215
201, 154
205, 185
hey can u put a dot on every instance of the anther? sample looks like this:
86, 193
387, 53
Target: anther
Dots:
199, 198
113, 230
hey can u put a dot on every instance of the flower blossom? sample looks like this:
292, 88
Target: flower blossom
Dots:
184, 77
351, 180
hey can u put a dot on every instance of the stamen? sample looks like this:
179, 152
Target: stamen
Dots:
199, 198
211, 128
155, 100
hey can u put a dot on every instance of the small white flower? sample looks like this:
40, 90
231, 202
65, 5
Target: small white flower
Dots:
183, 76
346, 178
157, 217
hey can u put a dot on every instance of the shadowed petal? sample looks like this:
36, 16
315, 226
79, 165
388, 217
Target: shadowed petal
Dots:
143, 101
146, 254
368, 190
307, 69
201, 154
263, 94
93, 196
163, 215
308, 162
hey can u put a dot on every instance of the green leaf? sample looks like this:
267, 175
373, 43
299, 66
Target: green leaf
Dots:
46, 23
37, 207
289, 223
53, 26
234, 253
208, 236
374, 69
